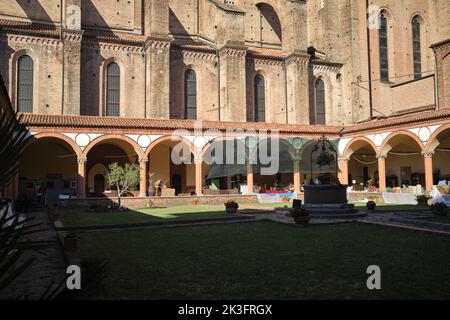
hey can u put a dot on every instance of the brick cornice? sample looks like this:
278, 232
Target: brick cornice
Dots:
157, 43
233, 51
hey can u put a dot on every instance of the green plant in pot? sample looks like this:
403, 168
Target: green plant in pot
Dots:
371, 205
440, 209
422, 200
300, 215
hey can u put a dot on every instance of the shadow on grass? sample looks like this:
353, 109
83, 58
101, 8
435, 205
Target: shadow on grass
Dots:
90, 217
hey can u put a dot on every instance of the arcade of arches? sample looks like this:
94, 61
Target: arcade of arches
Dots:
54, 165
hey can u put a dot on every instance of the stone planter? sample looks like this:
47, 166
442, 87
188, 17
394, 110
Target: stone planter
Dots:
302, 221
70, 243
231, 209
371, 205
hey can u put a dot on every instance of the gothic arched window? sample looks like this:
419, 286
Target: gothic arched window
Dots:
384, 53
190, 95
113, 90
417, 56
320, 102
25, 84
260, 99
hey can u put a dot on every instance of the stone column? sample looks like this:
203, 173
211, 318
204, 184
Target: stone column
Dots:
428, 161
382, 173
343, 168
157, 55
199, 176
143, 185
82, 176
233, 83
250, 179
297, 177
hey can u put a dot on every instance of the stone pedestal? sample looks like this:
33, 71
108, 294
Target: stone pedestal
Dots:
327, 199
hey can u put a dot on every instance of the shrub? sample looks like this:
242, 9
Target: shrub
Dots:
286, 199
440, 209
195, 201
422, 200
231, 204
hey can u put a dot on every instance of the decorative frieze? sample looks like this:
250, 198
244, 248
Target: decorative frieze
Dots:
231, 51
29, 39
157, 43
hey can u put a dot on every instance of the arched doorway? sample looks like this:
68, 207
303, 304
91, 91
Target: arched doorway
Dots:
100, 155
440, 150
404, 161
99, 184
361, 155
48, 171
170, 176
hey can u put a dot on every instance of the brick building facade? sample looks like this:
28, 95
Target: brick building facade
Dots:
103, 80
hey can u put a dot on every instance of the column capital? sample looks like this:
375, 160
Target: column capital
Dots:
82, 160
344, 159
382, 157
143, 160
198, 160
428, 154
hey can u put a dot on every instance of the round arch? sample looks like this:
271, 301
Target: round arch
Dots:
111, 138
400, 133
49, 135
192, 148
432, 141
346, 153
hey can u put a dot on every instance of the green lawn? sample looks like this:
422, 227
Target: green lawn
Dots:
266, 260
438, 219
80, 217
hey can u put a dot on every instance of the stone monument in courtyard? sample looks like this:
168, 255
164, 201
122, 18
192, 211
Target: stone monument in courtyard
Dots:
325, 194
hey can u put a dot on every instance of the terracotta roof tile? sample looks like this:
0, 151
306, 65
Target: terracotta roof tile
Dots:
400, 120
112, 123
95, 122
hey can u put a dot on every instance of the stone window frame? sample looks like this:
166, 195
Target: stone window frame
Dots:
264, 77
103, 84
14, 72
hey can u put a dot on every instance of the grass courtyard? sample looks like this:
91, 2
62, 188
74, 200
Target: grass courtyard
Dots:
266, 260
80, 217
84, 217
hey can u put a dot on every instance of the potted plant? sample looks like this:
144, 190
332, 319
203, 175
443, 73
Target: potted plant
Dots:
422, 200
440, 209
300, 215
70, 242
286, 199
231, 206
371, 205
194, 201
149, 203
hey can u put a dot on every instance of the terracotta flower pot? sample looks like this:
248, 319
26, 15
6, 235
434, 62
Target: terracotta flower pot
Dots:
70, 243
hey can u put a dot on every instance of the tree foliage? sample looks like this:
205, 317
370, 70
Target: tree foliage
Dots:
124, 178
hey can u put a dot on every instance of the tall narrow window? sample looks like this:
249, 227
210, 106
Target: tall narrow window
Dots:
25, 84
320, 102
417, 56
383, 38
190, 95
260, 99
113, 90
